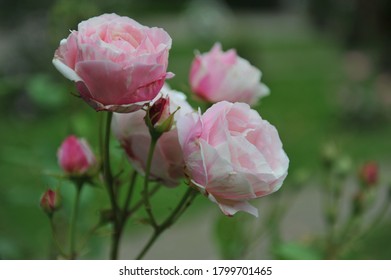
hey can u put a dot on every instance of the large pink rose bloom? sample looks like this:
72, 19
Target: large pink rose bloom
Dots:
131, 131
232, 155
118, 64
224, 76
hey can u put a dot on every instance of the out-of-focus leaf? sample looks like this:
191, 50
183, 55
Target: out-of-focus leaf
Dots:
7, 249
45, 92
8, 85
232, 237
296, 251
373, 245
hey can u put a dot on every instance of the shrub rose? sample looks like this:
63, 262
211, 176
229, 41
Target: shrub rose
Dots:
224, 76
75, 156
232, 155
117, 64
132, 132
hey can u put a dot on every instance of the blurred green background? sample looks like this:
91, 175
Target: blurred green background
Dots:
328, 66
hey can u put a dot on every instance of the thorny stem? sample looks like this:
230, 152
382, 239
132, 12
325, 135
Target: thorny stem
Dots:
184, 203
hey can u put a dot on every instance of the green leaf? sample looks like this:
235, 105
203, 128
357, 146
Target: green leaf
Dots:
296, 251
232, 236
45, 92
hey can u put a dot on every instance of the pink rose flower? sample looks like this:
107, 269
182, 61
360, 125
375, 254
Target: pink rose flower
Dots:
224, 76
232, 155
133, 134
118, 64
75, 156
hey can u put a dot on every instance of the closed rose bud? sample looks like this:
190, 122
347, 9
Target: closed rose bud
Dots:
224, 76
159, 111
75, 156
132, 132
50, 201
159, 119
369, 173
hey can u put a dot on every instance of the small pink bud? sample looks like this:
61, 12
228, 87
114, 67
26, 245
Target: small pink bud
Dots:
369, 173
159, 111
50, 201
158, 118
75, 156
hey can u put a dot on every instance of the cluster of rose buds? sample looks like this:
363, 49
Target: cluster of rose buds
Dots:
228, 153
76, 159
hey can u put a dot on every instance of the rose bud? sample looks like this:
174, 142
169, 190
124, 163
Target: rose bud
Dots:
217, 76
118, 64
232, 155
158, 118
369, 174
75, 156
50, 201
133, 134
159, 111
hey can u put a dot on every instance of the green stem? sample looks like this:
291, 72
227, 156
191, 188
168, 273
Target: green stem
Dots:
100, 134
107, 167
58, 246
151, 241
108, 177
184, 203
141, 201
115, 242
380, 215
120, 223
89, 234
72, 230
348, 242
333, 186
129, 196
147, 203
